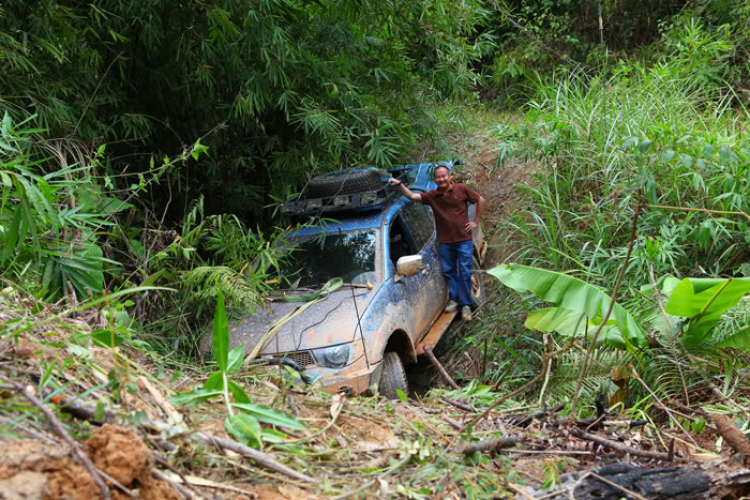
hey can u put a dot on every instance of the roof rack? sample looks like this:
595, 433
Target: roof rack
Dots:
364, 201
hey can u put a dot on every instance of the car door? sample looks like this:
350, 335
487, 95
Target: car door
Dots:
432, 293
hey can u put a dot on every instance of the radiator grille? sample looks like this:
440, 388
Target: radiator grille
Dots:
302, 358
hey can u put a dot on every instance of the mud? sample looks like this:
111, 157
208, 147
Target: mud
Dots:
365, 435
35, 470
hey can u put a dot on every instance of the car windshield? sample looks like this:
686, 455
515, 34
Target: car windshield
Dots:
318, 258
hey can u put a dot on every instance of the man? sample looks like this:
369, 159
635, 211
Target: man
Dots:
449, 203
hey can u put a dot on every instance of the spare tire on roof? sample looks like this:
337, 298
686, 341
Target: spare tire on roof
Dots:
343, 182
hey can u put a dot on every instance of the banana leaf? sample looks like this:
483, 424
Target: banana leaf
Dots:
703, 301
738, 340
572, 294
569, 323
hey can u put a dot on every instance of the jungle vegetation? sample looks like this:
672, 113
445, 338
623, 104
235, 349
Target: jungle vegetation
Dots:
149, 143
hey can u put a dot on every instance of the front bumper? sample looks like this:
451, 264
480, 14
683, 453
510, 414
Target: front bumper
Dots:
356, 378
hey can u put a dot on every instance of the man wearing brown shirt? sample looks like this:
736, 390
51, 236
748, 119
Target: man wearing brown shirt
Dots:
449, 203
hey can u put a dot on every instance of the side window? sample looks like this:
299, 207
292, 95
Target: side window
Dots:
420, 223
400, 243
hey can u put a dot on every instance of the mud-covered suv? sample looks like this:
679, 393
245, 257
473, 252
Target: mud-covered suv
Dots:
383, 248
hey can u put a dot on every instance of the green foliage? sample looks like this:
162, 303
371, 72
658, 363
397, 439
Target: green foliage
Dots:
47, 240
243, 426
703, 302
574, 297
605, 141
278, 89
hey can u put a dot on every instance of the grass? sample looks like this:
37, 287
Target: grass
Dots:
600, 145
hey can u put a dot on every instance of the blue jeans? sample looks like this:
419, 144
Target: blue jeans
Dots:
457, 268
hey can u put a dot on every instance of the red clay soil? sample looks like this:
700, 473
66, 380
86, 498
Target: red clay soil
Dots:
35, 470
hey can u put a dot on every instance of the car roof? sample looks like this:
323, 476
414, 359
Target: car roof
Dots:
423, 181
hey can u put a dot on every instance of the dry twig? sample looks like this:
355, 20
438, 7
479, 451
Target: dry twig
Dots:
656, 455
440, 368
662, 405
261, 458
459, 405
490, 446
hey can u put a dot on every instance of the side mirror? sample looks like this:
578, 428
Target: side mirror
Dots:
409, 265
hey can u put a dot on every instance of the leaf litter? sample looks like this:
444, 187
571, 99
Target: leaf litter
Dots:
115, 403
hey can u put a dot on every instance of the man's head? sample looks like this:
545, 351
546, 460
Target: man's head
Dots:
443, 177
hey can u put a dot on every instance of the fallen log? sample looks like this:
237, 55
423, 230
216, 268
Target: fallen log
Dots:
621, 480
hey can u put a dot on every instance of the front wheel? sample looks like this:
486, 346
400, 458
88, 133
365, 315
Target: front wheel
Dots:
393, 376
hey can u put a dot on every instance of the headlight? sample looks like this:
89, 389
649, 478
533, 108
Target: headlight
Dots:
333, 357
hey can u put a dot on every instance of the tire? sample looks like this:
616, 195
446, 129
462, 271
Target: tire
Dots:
477, 284
393, 376
343, 182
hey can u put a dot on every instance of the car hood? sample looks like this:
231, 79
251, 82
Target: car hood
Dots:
332, 320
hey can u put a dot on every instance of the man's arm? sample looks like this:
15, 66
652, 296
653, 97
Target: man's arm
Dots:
407, 192
471, 226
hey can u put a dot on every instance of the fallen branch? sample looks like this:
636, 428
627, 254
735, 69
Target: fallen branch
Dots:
206, 483
459, 405
117, 484
440, 368
77, 410
548, 452
81, 412
617, 486
732, 435
58, 426
519, 490
261, 458
490, 446
452, 423
526, 421
656, 455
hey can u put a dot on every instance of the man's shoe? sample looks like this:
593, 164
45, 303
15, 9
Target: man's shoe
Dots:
451, 306
466, 313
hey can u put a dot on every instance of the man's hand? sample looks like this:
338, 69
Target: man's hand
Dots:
407, 192
471, 226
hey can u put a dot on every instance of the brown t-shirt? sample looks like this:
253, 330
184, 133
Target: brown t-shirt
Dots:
451, 211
